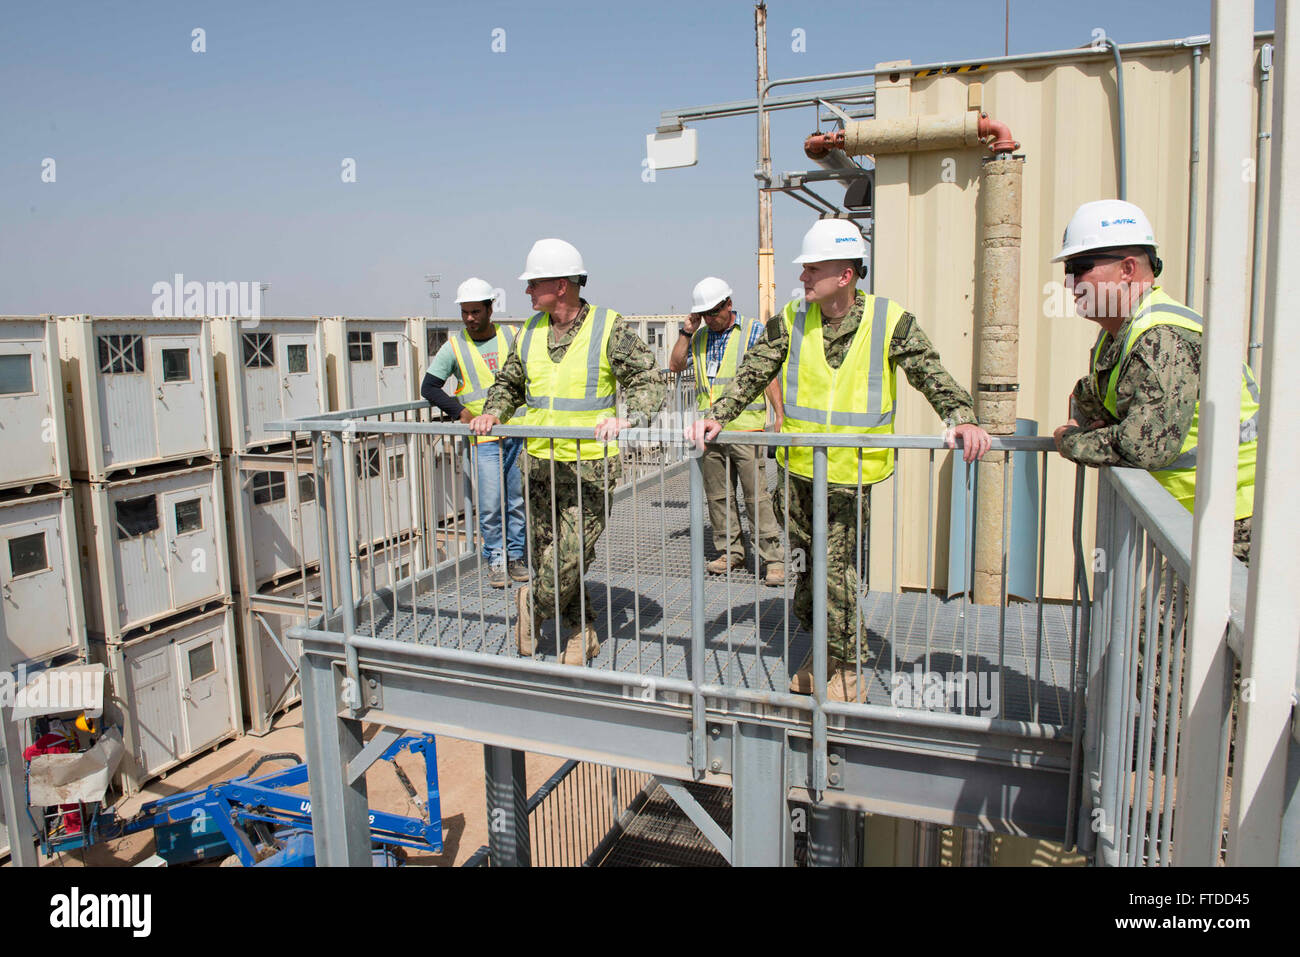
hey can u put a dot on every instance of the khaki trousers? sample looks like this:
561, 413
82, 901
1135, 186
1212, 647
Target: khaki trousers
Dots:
720, 466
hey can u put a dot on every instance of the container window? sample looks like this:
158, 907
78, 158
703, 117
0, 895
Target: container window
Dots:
306, 488
15, 374
361, 347
189, 516
370, 465
403, 570
397, 465
136, 517
121, 354
176, 365
297, 358
390, 354
27, 554
268, 487
259, 353
433, 340
203, 661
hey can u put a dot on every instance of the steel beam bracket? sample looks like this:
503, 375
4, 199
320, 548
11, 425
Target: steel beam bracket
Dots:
718, 747
372, 690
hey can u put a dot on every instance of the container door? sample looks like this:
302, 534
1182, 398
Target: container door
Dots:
192, 559
35, 596
205, 695
175, 372
151, 706
392, 362
26, 419
298, 375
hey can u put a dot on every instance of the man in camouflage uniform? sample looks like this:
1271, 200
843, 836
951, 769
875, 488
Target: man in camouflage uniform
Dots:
834, 301
1140, 398
575, 479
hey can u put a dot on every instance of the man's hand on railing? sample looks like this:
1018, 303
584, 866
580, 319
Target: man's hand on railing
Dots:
607, 429
703, 430
974, 441
483, 424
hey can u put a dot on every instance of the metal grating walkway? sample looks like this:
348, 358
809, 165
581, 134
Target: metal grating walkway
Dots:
640, 590
662, 836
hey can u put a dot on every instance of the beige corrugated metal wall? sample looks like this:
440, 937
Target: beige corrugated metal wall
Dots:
1063, 115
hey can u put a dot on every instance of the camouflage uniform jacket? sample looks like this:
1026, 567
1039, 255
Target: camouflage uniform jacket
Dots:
1155, 397
909, 348
630, 359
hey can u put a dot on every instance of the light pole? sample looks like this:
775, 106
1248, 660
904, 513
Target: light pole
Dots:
433, 279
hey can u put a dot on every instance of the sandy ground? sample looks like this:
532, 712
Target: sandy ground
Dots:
460, 782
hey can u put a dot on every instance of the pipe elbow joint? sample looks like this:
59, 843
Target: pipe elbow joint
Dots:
1001, 133
819, 145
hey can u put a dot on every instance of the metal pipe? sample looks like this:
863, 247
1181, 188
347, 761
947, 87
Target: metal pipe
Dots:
1262, 137
913, 133
998, 324
1194, 193
1119, 108
1200, 778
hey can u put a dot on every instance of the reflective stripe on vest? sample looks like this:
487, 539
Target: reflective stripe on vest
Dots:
858, 397
1179, 477
576, 392
708, 391
472, 372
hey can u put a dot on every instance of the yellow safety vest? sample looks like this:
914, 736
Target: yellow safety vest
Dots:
576, 392
708, 391
856, 398
1157, 308
474, 378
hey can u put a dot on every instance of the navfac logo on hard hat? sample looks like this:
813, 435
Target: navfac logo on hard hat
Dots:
1118, 222
844, 239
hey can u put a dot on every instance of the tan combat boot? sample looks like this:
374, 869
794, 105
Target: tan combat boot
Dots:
775, 574
841, 680
525, 631
802, 682
720, 564
573, 646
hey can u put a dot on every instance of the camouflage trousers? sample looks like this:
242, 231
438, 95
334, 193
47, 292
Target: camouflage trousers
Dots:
1241, 539
559, 536
843, 524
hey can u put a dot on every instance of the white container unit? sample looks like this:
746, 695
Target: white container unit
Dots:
371, 362
174, 693
32, 424
429, 336
659, 333
152, 546
274, 517
268, 657
41, 612
267, 370
138, 390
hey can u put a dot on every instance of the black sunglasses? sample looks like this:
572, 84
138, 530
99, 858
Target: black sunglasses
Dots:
1082, 264
716, 309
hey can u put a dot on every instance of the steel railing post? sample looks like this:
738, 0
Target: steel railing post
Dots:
347, 606
699, 754
819, 620
1118, 584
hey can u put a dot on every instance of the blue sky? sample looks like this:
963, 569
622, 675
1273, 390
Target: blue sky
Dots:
226, 165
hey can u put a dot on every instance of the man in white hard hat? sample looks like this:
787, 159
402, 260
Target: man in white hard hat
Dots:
1138, 404
474, 354
837, 351
714, 339
569, 357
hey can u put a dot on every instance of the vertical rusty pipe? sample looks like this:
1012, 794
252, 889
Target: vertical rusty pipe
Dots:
999, 355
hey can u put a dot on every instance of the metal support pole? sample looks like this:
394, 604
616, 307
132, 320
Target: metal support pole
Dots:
507, 807
1201, 759
761, 834
832, 836
340, 815
1266, 747
819, 536
699, 752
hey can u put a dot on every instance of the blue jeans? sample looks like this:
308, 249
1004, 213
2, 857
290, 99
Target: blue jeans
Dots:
494, 460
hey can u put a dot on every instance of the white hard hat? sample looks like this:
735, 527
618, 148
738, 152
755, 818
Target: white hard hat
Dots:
1105, 224
831, 239
552, 259
708, 292
474, 290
